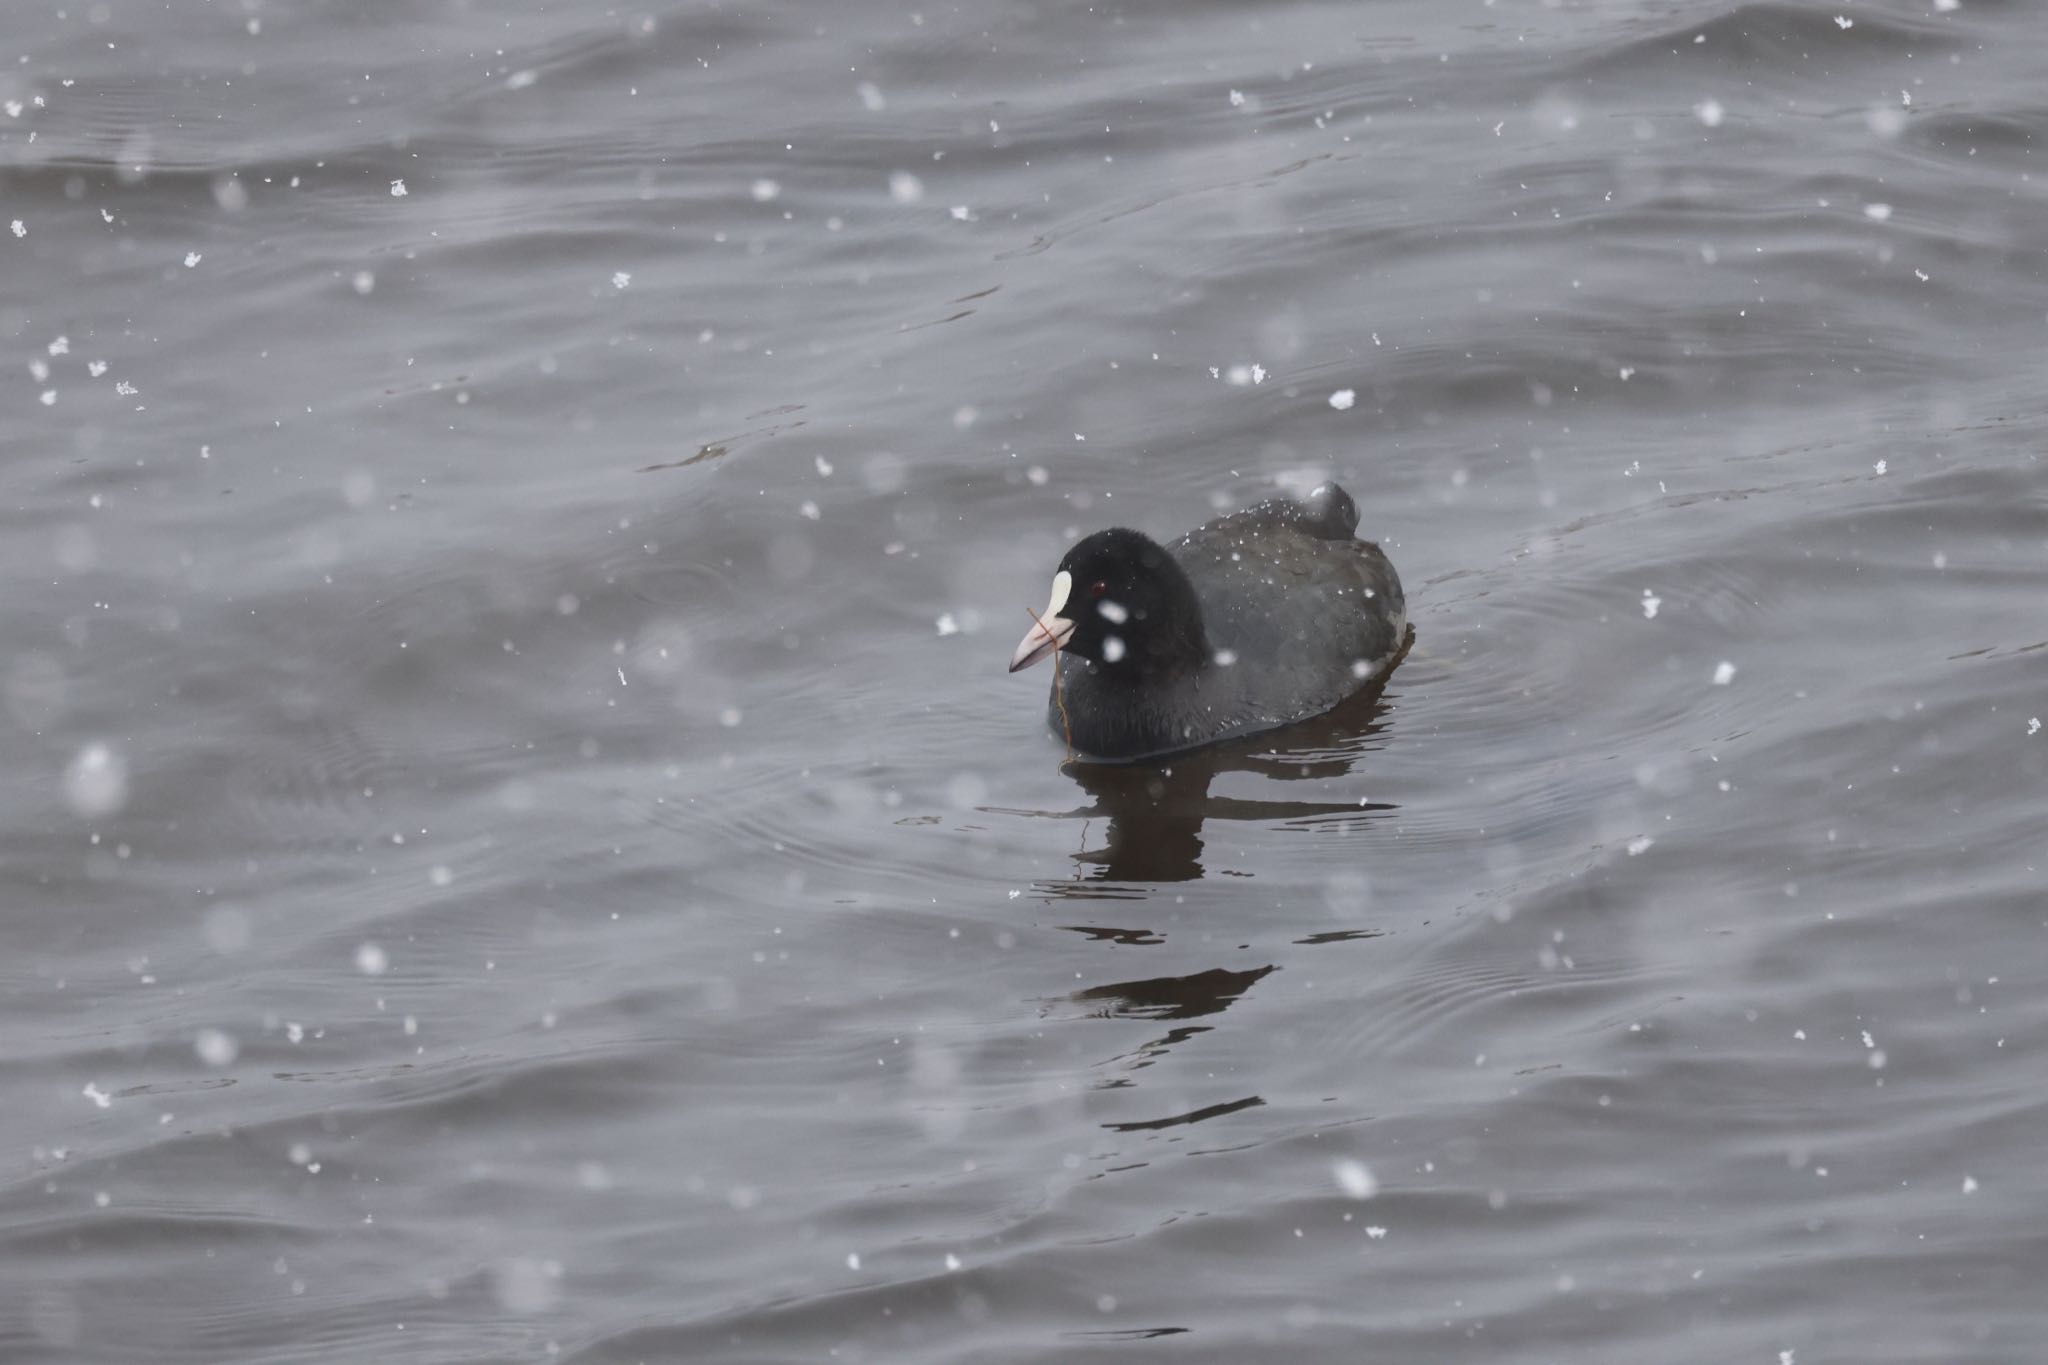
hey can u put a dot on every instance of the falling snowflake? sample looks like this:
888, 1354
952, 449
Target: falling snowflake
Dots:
1877, 212
1342, 399
620, 279
1724, 673
216, 1047
1356, 1179
191, 259
398, 189
1709, 112
19, 230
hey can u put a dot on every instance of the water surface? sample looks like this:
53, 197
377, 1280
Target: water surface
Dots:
519, 843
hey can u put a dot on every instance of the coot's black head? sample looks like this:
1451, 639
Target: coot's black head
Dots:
1120, 601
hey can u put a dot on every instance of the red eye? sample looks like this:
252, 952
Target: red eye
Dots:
1097, 588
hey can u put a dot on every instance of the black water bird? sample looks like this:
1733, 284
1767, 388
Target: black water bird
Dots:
1256, 620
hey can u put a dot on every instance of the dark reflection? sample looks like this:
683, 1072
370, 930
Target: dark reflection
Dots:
1212, 1111
1103, 933
1163, 998
1148, 1053
1341, 936
1155, 815
1128, 1334
1155, 812
1169, 997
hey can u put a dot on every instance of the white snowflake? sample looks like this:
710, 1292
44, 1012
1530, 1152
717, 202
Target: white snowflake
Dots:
1356, 1179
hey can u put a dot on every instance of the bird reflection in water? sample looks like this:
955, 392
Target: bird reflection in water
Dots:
1163, 998
1156, 812
1156, 815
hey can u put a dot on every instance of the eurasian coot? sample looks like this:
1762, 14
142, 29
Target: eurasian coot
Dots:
1258, 619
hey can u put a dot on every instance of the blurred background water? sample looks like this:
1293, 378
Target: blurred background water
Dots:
518, 843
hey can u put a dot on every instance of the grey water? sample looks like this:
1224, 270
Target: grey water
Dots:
518, 843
